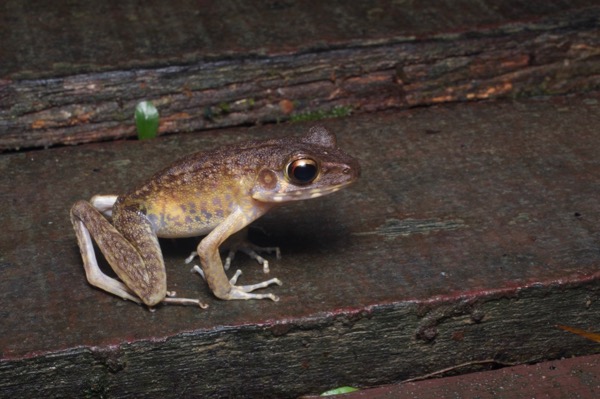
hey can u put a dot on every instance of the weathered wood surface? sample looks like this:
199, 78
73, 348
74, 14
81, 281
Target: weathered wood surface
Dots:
72, 73
471, 234
568, 378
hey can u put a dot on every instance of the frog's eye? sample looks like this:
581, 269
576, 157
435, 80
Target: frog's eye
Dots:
302, 171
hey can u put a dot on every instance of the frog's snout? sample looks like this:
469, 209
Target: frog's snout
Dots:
352, 169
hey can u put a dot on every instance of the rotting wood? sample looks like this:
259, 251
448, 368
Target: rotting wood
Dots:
555, 55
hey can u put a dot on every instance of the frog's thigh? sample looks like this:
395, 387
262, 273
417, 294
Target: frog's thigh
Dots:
80, 213
142, 268
143, 274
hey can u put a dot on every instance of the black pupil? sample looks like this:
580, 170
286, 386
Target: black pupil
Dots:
303, 171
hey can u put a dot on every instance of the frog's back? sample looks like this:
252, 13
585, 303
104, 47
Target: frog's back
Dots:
196, 193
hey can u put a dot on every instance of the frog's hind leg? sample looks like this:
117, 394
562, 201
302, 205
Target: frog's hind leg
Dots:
132, 251
148, 278
85, 217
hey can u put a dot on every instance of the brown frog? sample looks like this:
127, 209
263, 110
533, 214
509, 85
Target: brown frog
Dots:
217, 194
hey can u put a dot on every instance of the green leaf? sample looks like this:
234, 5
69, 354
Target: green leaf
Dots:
339, 390
146, 120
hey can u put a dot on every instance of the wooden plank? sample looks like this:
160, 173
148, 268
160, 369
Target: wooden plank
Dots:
471, 234
576, 377
264, 63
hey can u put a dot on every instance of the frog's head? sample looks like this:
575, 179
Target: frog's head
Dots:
306, 167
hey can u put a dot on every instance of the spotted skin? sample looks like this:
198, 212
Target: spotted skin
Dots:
217, 194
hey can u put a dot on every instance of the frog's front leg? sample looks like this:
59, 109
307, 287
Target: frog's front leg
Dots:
212, 267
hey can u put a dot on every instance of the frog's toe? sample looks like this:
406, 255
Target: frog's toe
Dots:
239, 292
253, 252
244, 291
190, 258
198, 269
171, 300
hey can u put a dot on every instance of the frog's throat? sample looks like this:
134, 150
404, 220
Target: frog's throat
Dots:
297, 195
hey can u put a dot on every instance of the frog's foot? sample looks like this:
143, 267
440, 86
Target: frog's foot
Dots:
244, 291
249, 249
172, 299
252, 251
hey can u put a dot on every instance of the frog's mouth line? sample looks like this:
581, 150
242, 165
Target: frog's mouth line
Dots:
298, 195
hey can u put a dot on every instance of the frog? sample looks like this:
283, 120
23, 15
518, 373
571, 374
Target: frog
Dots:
212, 194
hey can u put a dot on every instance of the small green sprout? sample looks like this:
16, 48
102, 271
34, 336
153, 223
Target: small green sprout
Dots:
338, 391
146, 120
